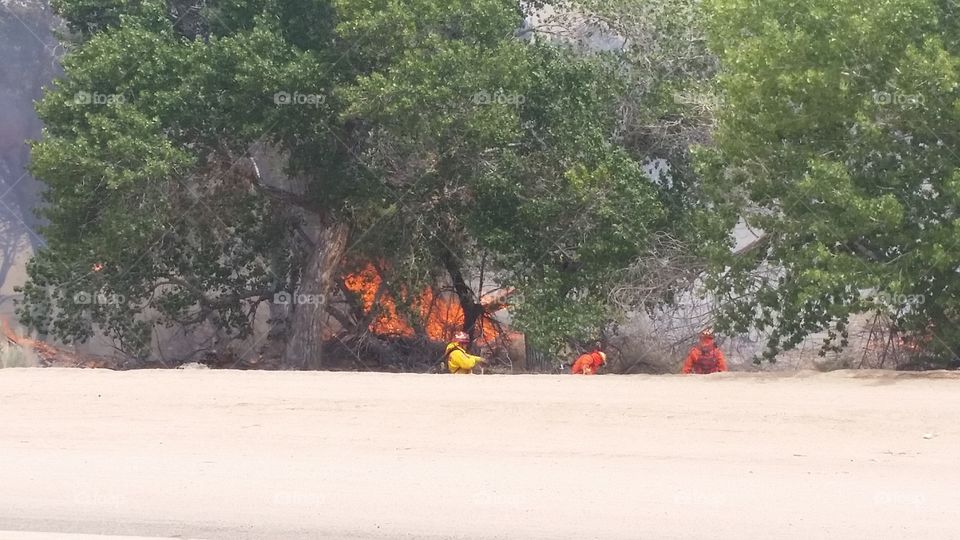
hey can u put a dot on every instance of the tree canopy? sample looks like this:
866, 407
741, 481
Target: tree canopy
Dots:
424, 133
203, 157
836, 138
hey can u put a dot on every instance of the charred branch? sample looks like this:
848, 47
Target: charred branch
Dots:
473, 310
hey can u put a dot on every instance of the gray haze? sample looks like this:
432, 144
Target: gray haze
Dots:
28, 52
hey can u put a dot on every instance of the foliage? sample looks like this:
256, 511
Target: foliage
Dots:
836, 140
435, 134
515, 164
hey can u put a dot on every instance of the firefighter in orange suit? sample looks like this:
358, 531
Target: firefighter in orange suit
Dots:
589, 363
705, 357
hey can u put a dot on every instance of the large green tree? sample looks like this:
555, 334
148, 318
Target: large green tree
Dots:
421, 134
837, 139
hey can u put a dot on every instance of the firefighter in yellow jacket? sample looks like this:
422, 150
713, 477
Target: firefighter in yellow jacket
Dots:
457, 358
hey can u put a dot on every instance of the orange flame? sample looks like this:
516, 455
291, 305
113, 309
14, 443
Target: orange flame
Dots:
440, 314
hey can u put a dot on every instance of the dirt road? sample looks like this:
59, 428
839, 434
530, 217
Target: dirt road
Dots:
220, 454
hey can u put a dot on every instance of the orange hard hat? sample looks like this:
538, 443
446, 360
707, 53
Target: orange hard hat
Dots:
706, 333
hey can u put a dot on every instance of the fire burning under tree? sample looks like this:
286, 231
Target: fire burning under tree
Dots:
434, 312
406, 329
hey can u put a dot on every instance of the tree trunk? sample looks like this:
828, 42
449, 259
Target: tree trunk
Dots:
472, 309
309, 303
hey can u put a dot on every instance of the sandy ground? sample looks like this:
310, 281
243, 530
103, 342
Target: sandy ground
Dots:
226, 455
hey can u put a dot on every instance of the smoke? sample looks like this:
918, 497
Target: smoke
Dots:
13, 356
28, 62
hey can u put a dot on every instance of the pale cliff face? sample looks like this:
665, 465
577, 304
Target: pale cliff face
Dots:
28, 52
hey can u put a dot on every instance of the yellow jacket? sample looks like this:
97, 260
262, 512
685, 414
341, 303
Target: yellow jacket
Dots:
458, 360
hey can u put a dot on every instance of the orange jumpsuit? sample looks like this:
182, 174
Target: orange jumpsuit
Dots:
587, 364
705, 358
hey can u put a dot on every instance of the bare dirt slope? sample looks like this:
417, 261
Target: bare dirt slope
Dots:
220, 454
